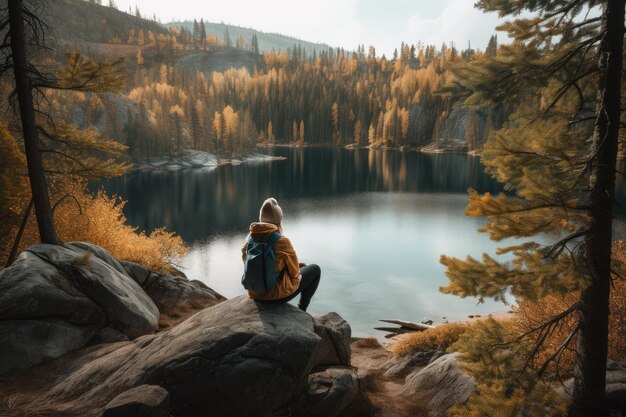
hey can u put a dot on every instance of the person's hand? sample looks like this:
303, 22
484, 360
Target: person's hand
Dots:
301, 264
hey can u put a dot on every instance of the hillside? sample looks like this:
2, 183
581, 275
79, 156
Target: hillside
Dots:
81, 21
267, 41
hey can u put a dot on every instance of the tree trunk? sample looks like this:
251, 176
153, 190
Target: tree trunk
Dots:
23, 88
20, 233
589, 398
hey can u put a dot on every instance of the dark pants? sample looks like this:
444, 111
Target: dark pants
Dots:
310, 280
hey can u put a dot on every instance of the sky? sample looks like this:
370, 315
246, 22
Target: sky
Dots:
345, 23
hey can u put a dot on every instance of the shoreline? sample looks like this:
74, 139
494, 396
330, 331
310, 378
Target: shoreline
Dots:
194, 159
452, 148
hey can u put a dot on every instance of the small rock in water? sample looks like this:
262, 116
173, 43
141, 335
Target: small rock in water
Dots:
428, 322
471, 316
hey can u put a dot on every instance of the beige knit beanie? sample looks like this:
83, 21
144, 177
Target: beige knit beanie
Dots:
271, 212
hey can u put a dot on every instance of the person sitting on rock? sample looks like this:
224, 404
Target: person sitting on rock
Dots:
294, 277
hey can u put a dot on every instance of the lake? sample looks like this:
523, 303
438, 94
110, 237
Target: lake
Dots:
376, 221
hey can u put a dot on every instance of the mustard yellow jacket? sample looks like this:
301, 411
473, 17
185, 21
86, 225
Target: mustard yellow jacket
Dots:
286, 260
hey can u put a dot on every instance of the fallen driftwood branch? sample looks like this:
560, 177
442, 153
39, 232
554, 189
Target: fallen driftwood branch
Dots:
396, 330
410, 325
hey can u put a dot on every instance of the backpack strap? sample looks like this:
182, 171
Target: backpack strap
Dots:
273, 238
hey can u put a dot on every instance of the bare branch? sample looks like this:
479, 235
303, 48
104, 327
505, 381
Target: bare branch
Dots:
556, 249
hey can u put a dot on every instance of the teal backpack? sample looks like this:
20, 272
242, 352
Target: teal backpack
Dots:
258, 271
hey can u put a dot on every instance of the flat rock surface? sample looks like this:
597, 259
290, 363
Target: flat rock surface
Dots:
238, 358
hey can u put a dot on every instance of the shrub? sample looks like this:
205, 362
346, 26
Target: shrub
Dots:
98, 219
506, 387
530, 314
103, 223
439, 337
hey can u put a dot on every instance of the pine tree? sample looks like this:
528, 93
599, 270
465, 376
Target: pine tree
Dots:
357, 133
196, 34
492, 46
227, 41
254, 44
557, 154
294, 131
202, 33
23, 89
67, 150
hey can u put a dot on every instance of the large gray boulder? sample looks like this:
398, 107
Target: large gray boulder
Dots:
440, 385
239, 358
28, 342
335, 333
78, 284
175, 296
53, 299
56, 299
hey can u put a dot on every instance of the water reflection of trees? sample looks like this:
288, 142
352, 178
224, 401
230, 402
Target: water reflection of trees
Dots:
198, 204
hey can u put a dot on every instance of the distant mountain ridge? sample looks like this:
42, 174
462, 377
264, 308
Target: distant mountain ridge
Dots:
85, 21
267, 41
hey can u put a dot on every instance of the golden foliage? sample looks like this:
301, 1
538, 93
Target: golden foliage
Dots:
439, 337
530, 314
14, 193
84, 74
98, 219
85, 152
506, 387
103, 223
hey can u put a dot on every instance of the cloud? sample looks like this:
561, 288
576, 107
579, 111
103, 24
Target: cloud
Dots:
345, 23
328, 21
458, 22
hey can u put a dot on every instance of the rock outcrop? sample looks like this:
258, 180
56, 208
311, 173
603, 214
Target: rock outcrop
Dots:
440, 385
56, 299
88, 335
238, 358
329, 392
335, 334
175, 296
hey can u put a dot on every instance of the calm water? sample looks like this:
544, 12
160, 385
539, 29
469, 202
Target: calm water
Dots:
375, 221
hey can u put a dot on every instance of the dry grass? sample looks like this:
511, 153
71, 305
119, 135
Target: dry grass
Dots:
439, 337
367, 342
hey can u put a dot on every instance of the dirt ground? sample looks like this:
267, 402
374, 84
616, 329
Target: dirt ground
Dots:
378, 395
